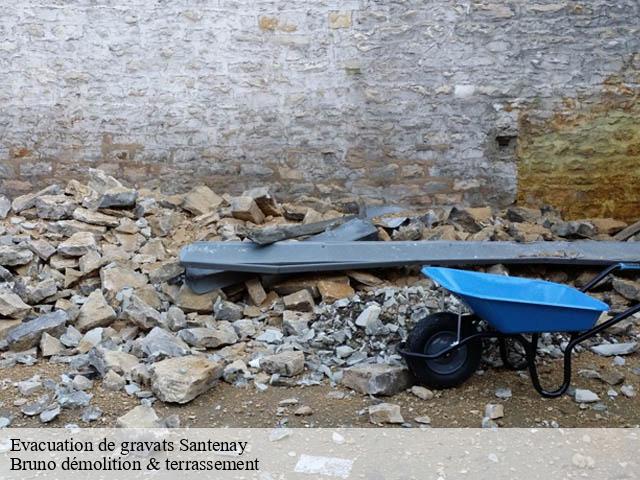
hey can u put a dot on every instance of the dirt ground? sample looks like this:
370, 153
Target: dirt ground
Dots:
226, 405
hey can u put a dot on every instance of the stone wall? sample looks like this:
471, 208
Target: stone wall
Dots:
411, 101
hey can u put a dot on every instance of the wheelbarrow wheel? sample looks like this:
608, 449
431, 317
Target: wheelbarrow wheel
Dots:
433, 334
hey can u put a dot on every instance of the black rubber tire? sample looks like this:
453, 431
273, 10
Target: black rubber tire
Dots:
435, 327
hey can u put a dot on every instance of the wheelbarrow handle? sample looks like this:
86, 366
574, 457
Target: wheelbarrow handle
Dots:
608, 271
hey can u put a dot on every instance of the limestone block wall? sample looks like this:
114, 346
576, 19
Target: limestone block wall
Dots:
415, 102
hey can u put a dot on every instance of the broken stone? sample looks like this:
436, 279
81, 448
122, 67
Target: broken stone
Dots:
628, 391
301, 301
493, 411
369, 319
95, 312
422, 392
112, 381
503, 393
78, 244
627, 288
266, 203
303, 411
286, 364
54, 207
12, 306
165, 271
245, 208
42, 248
270, 335
90, 340
50, 346
585, 396
377, 379
42, 290
332, 291
27, 335
120, 362
181, 379
227, 311
159, 344
203, 337
613, 349
141, 416
95, 218
244, 329
235, 371
471, 219
201, 200
608, 226
50, 414
27, 201
256, 291
91, 414
11, 256
189, 301
138, 312
115, 277
385, 413
80, 382
295, 323
5, 207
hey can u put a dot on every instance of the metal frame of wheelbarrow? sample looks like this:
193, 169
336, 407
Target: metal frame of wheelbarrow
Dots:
531, 346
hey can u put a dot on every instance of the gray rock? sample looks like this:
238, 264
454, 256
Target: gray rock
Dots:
159, 344
29, 386
91, 414
11, 255
73, 398
42, 248
54, 207
90, 339
80, 382
369, 320
295, 323
137, 311
235, 371
29, 200
244, 328
613, 349
227, 311
5, 206
504, 393
27, 335
203, 337
176, 319
628, 391
385, 413
95, 218
286, 364
78, 244
71, 337
181, 379
165, 272
44, 289
585, 396
112, 381
35, 408
50, 414
377, 379
270, 335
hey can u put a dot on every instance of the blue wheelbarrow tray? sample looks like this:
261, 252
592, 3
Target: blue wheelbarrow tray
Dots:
520, 305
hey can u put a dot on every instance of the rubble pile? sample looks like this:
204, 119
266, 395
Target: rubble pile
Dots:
90, 279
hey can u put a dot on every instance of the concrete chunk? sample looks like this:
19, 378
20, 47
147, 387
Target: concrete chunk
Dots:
377, 379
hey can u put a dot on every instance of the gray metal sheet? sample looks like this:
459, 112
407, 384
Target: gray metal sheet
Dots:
290, 257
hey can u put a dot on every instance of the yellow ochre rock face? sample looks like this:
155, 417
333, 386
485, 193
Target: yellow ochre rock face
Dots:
586, 163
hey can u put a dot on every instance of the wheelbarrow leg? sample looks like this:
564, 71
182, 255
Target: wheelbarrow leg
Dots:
532, 348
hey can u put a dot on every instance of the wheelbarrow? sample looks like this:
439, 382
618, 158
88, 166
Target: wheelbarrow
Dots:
444, 349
